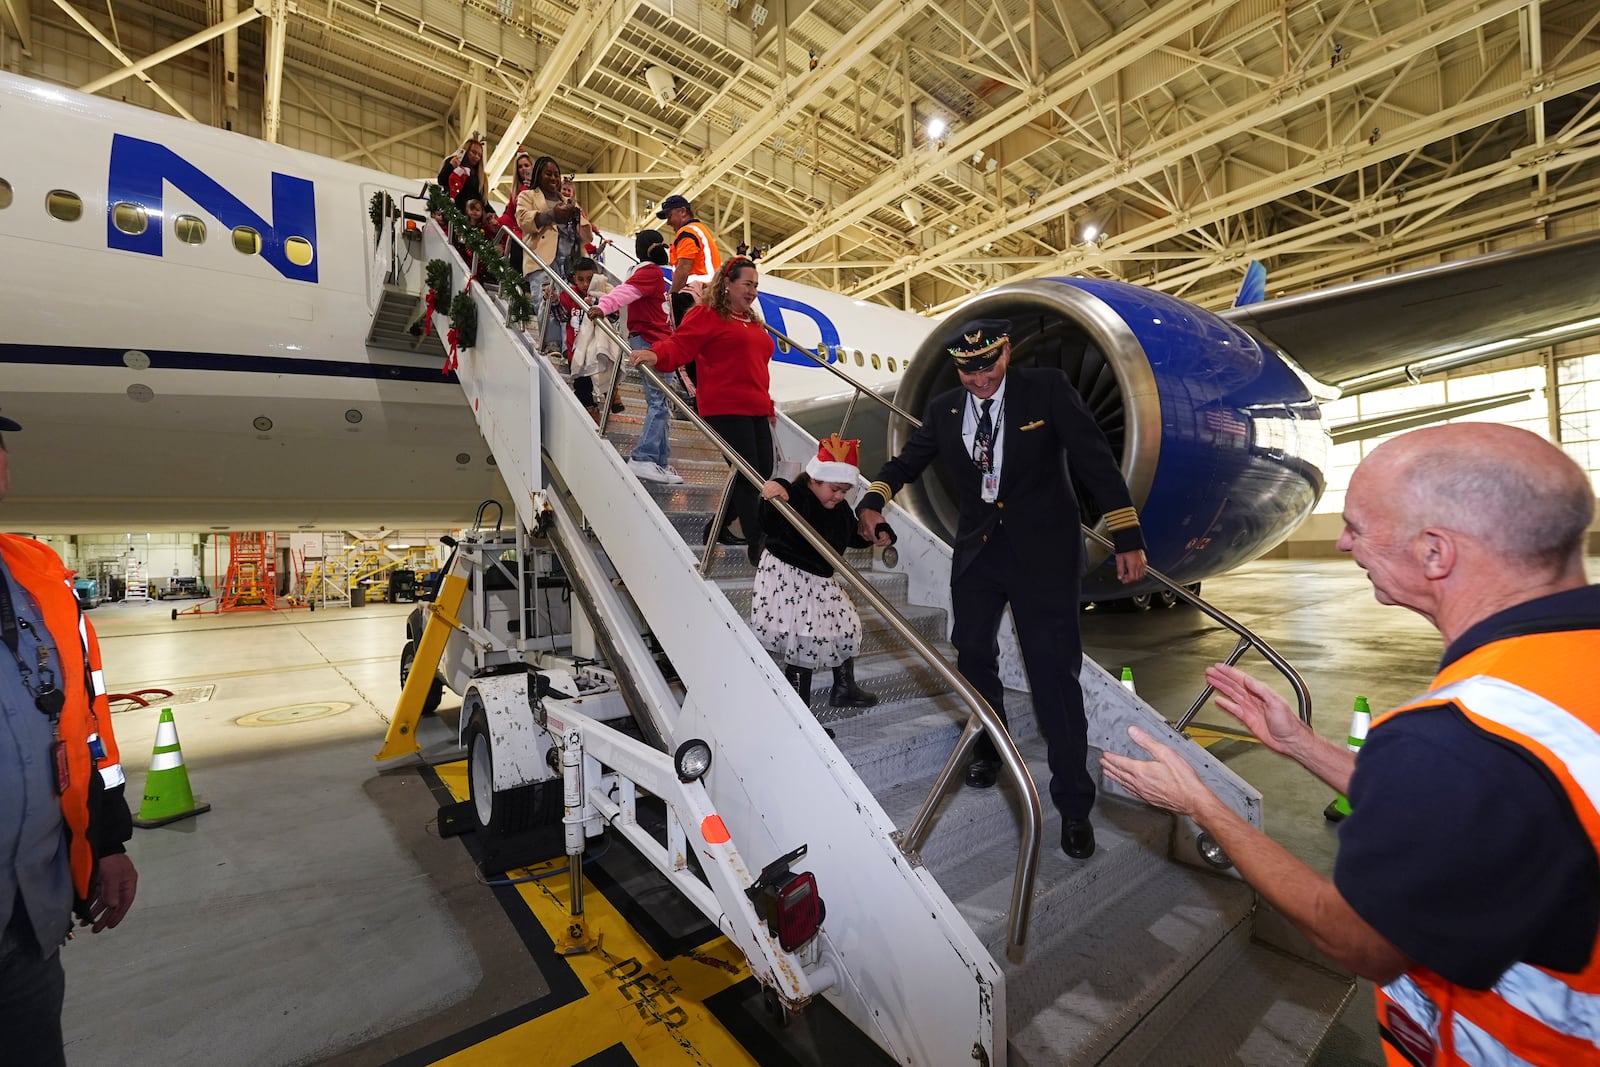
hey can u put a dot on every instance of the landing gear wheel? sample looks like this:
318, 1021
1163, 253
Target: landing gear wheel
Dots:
430, 703
509, 811
1163, 598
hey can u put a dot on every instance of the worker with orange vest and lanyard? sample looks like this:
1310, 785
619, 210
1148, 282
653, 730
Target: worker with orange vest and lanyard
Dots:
63, 819
1467, 885
695, 259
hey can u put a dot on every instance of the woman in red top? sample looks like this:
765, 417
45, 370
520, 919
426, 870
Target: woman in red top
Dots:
722, 336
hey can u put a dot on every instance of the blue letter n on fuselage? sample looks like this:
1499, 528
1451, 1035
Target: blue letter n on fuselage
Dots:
138, 169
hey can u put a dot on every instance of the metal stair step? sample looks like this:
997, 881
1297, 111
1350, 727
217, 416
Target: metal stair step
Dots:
971, 822
890, 686
1078, 994
1255, 1007
902, 746
1131, 845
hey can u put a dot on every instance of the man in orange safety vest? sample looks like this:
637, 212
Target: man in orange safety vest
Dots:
1467, 885
63, 819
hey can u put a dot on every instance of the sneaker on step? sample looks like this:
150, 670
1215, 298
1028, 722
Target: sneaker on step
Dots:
646, 471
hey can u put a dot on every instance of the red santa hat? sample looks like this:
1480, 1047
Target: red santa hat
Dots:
837, 460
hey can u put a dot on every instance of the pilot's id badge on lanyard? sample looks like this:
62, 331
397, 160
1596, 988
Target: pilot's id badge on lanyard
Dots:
991, 487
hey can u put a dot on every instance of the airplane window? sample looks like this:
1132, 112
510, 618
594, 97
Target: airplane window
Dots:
129, 217
859, 361
877, 364
299, 251
189, 230
68, 207
246, 240
5, 194
891, 365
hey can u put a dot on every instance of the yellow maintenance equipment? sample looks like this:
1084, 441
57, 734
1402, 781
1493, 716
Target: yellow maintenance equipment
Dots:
401, 740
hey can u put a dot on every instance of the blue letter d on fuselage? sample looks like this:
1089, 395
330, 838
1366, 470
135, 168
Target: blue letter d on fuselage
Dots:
138, 169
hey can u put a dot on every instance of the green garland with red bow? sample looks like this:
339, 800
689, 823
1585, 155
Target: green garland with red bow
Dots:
463, 327
519, 306
438, 277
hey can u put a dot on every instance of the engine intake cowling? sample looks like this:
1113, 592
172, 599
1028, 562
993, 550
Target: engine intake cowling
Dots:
1221, 442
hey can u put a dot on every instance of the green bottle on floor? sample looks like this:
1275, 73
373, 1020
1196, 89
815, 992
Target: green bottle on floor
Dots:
1360, 719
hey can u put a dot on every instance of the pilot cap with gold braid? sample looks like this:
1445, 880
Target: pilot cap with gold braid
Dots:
838, 459
979, 344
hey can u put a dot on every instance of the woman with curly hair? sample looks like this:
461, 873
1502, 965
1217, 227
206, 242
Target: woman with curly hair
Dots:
554, 228
723, 336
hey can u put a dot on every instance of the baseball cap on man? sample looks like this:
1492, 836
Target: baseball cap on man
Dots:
979, 344
671, 202
8, 425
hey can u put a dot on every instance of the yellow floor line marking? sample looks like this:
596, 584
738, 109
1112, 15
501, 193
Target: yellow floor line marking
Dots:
654, 1007
1206, 738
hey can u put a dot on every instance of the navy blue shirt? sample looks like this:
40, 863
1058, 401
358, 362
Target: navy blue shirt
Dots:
33, 839
1461, 848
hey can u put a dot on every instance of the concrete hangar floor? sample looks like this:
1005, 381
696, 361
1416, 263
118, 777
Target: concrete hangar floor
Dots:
315, 915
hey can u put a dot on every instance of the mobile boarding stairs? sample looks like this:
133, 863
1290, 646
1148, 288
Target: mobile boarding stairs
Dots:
954, 930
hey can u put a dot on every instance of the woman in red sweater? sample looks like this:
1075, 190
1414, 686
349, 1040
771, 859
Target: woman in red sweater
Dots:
722, 336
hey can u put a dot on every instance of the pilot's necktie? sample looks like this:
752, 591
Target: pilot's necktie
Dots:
983, 440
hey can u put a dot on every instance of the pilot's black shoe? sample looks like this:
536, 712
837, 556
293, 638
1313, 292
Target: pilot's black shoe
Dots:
982, 773
726, 537
1077, 838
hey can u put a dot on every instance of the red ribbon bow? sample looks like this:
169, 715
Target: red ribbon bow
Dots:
427, 314
451, 361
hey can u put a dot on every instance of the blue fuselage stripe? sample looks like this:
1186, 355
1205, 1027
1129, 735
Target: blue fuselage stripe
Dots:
162, 359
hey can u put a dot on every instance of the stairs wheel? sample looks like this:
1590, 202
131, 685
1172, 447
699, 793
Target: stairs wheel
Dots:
506, 811
430, 703
781, 1016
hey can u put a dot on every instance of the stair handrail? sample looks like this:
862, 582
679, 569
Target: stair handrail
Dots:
831, 368
1247, 638
982, 717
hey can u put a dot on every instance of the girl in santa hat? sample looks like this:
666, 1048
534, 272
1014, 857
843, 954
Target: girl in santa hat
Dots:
800, 610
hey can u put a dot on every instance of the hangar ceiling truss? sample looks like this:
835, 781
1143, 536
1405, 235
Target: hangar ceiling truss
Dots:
1161, 142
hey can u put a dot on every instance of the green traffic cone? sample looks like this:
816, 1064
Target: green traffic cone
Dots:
1127, 680
167, 796
1360, 719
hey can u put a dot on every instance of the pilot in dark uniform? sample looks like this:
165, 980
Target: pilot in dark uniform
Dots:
1000, 438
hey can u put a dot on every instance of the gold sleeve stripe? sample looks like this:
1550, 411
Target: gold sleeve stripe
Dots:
882, 489
1122, 519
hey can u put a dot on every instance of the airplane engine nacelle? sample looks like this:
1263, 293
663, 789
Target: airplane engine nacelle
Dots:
1221, 441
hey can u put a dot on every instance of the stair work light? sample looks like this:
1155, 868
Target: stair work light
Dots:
692, 759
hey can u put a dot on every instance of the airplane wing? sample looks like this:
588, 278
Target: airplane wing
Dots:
1395, 421
1477, 308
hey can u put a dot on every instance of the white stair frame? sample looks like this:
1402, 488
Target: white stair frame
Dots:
906, 969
